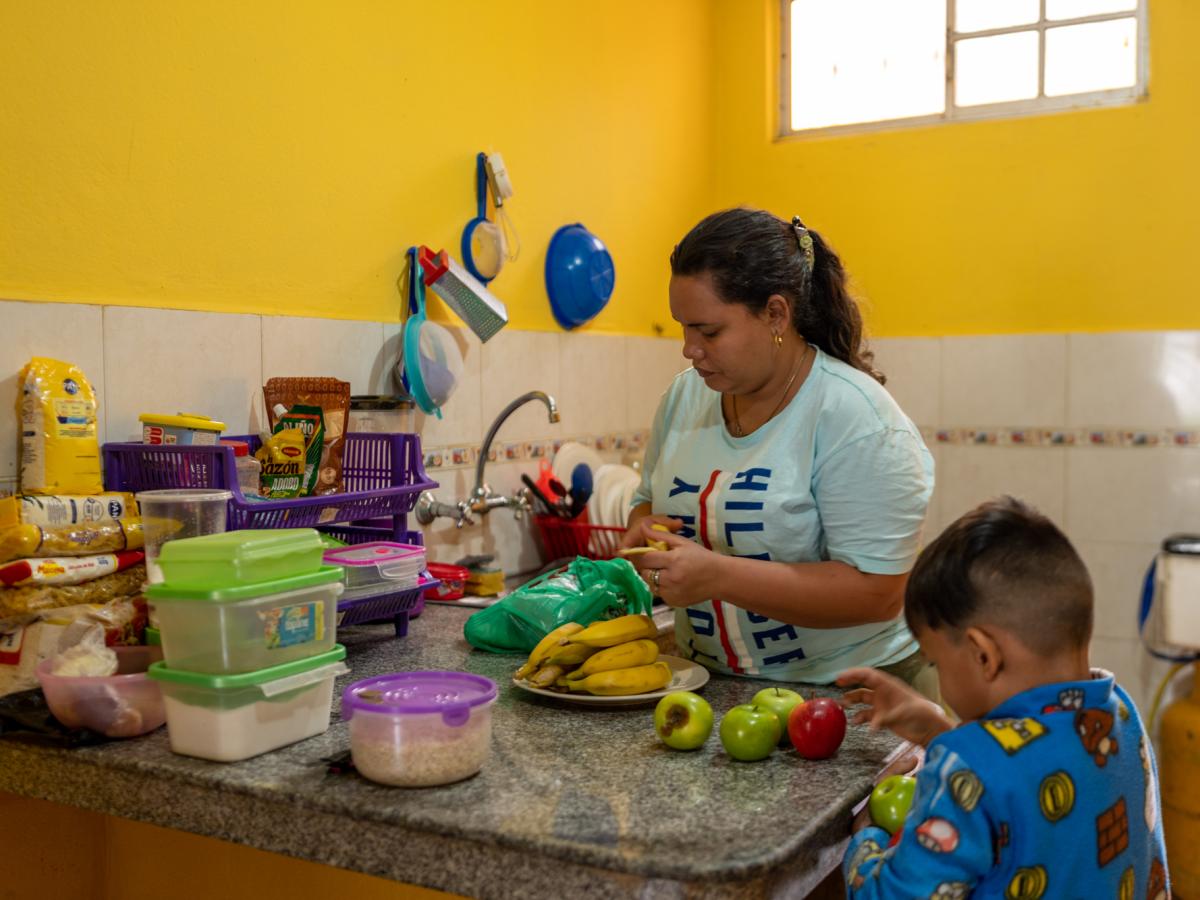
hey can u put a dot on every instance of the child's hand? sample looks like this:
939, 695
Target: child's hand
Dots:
893, 705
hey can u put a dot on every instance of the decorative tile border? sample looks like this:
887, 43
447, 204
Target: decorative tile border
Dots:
466, 456
463, 457
1062, 437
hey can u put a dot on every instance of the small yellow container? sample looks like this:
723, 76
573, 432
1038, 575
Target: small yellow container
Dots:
184, 429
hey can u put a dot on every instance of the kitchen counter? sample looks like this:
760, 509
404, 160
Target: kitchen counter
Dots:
573, 799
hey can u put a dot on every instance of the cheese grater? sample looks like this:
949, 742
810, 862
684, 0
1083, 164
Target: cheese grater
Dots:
483, 312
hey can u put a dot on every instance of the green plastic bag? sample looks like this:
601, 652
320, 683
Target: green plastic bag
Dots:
587, 591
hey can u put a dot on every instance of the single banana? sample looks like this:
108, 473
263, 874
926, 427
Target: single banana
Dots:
545, 646
546, 676
570, 655
623, 656
616, 631
635, 680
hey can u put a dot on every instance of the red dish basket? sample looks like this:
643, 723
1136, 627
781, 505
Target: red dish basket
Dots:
577, 537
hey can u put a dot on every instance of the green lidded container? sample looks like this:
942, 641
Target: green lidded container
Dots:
246, 557
216, 629
232, 717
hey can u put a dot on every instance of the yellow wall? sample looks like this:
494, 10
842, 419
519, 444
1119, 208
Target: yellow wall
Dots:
1081, 221
278, 157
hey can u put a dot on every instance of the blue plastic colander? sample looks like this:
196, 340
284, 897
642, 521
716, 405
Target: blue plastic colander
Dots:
579, 275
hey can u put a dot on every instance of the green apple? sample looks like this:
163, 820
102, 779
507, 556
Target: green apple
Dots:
890, 802
780, 701
683, 720
749, 732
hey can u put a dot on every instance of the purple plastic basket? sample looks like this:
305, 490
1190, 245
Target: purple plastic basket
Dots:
399, 606
383, 474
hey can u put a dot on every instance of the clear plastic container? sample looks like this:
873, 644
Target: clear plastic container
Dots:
230, 717
386, 565
241, 629
176, 513
246, 557
118, 706
249, 469
417, 729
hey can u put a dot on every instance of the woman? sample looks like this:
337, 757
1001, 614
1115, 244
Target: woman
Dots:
795, 486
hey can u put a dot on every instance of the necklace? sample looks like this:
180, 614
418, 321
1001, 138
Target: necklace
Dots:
738, 431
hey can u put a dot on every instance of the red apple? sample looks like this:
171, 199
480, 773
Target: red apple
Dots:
817, 727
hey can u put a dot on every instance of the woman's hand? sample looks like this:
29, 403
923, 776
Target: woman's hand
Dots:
686, 571
893, 705
640, 530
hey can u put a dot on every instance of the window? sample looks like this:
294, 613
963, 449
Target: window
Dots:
850, 64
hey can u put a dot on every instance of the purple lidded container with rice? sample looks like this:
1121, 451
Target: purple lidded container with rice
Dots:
418, 729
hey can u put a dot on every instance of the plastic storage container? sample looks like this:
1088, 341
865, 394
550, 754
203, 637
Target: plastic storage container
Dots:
229, 630
379, 565
231, 717
118, 706
184, 430
174, 514
249, 469
241, 557
452, 581
416, 729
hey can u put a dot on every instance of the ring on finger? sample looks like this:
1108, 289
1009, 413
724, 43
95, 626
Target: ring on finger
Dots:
654, 578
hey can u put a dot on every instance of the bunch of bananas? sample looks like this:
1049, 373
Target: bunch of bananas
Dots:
609, 659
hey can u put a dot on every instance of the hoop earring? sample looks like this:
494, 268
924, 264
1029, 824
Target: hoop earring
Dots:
778, 340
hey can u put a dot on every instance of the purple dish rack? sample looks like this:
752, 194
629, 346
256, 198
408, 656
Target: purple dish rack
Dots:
383, 474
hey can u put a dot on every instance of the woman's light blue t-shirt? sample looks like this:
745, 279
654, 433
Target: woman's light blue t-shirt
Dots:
839, 474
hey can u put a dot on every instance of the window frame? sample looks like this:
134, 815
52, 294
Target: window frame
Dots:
1008, 109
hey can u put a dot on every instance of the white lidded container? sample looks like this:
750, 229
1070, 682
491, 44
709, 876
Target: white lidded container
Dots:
418, 729
383, 565
230, 717
243, 628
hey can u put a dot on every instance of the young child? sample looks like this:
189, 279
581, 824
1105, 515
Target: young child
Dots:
1048, 787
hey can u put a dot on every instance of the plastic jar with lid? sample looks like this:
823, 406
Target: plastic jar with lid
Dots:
418, 729
249, 469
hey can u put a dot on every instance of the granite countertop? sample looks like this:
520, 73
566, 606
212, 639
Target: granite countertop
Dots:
573, 798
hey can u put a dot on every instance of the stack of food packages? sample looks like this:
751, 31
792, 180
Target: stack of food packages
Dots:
69, 552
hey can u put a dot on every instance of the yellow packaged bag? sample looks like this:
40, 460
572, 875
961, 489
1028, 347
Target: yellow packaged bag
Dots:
57, 410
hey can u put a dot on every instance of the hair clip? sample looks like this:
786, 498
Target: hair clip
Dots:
804, 239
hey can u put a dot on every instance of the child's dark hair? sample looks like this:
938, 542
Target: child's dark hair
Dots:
1003, 563
752, 254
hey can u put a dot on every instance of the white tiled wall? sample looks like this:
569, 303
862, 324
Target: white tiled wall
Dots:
156, 360
1116, 503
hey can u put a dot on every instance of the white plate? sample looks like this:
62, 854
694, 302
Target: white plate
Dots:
685, 676
619, 489
602, 484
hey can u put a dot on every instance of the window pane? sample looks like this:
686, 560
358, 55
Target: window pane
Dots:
979, 15
996, 69
866, 60
1096, 57
1072, 9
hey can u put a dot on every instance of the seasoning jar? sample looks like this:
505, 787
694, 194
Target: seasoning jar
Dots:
248, 468
418, 729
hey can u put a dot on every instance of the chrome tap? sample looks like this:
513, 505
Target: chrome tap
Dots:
482, 499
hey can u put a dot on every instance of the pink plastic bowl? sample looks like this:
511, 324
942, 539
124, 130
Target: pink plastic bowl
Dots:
118, 706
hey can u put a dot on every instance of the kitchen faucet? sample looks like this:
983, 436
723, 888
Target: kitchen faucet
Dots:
482, 499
